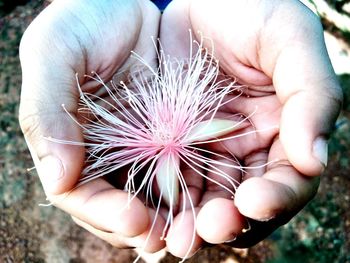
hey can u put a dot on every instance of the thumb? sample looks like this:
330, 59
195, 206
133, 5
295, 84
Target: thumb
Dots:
47, 83
309, 91
58, 165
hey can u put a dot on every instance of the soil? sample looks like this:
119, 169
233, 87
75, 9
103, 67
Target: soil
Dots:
31, 233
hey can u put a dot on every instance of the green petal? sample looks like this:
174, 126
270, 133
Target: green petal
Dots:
211, 129
167, 178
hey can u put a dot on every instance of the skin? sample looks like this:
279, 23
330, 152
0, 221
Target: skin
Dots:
275, 48
101, 36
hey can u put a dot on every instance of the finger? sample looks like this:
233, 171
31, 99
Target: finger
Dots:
307, 86
281, 190
115, 240
47, 83
182, 240
148, 241
219, 221
255, 164
174, 29
307, 118
223, 175
191, 187
58, 165
102, 206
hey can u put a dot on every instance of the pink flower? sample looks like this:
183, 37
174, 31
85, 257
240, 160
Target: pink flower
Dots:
160, 121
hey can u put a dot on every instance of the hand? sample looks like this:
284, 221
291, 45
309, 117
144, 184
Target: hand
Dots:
276, 49
71, 37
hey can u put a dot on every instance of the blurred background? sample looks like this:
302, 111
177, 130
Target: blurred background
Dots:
29, 233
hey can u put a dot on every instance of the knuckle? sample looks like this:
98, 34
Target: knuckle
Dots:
280, 163
29, 124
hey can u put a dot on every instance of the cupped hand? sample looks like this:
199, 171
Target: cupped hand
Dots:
276, 50
71, 37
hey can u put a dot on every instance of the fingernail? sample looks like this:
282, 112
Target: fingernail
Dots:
320, 150
233, 238
50, 171
266, 218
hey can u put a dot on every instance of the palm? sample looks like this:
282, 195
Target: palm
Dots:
98, 43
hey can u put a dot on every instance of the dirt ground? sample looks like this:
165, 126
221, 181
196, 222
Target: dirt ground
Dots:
30, 233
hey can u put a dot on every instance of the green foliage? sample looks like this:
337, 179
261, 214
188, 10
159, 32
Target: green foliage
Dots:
314, 236
7, 5
339, 147
337, 4
345, 83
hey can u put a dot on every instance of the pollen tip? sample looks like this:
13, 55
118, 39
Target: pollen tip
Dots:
30, 169
245, 230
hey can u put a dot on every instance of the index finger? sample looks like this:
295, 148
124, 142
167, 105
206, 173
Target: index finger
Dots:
101, 205
281, 192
